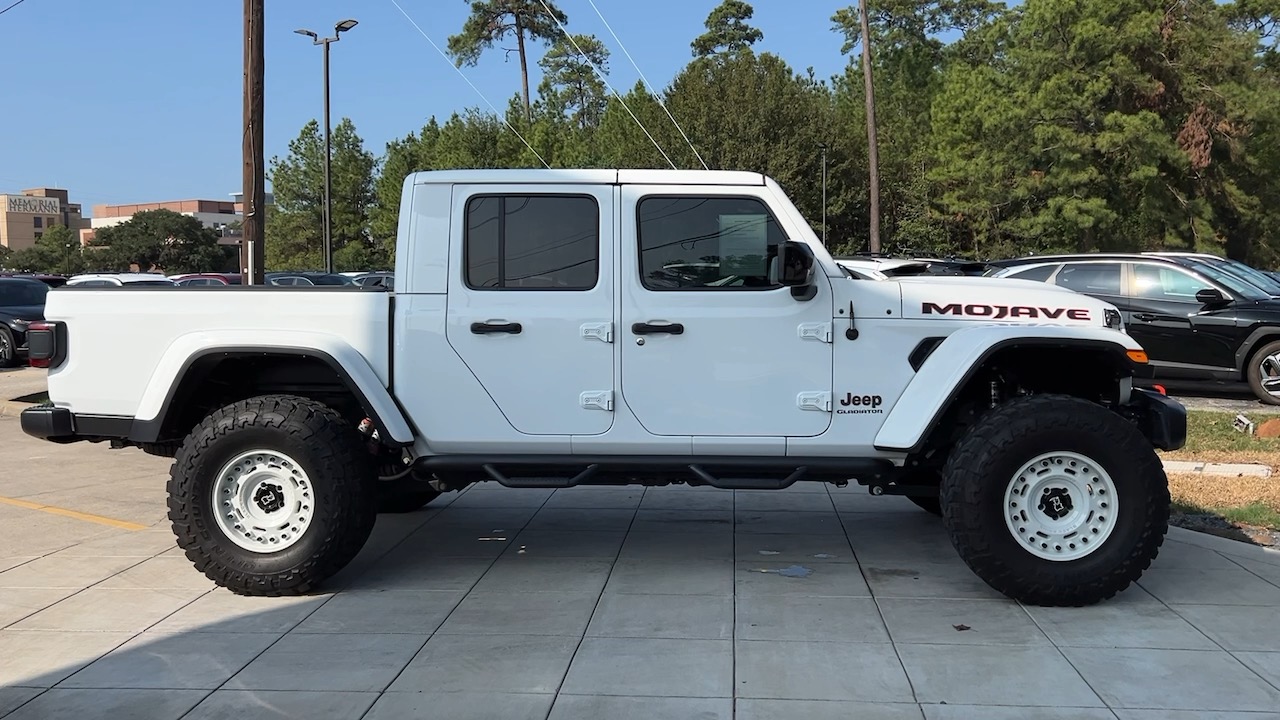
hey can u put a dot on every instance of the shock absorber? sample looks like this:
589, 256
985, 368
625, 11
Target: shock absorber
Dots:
995, 393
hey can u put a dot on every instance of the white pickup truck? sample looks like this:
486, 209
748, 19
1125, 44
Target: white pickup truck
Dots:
571, 327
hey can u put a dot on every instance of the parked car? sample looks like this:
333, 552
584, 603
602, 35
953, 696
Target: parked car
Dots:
306, 278
375, 279
21, 303
555, 361
205, 279
1196, 318
880, 268
50, 280
119, 280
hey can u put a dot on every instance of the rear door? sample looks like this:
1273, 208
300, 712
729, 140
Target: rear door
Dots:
531, 304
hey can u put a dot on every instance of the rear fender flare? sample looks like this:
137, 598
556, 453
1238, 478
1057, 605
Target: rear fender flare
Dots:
347, 362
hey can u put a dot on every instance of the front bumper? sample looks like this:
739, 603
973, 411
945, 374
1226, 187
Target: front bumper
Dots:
1162, 419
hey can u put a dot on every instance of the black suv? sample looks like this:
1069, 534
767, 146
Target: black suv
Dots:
1198, 316
21, 303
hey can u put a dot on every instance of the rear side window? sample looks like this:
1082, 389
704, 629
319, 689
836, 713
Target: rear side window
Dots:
1038, 274
1091, 278
532, 242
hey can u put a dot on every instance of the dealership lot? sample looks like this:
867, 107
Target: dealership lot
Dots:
588, 603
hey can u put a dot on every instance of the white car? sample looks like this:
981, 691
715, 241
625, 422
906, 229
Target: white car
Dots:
554, 328
118, 280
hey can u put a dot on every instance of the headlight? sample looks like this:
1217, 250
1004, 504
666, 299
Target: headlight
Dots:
1113, 319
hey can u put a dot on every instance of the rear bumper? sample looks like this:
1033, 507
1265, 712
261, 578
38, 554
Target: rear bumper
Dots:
58, 424
1162, 419
48, 422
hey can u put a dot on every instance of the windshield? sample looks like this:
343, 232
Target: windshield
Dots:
1233, 282
15, 294
1249, 274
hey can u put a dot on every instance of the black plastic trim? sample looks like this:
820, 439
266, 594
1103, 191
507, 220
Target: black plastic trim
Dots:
1117, 350
1255, 339
1162, 419
923, 350
47, 422
148, 431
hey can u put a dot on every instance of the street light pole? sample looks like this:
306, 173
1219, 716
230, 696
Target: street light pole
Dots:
339, 28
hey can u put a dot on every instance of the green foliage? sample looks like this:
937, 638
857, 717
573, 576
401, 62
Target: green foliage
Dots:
295, 226
727, 30
492, 21
57, 251
571, 87
158, 240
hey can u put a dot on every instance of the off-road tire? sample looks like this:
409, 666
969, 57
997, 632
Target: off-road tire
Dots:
341, 472
401, 496
983, 464
1254, 373
8, 349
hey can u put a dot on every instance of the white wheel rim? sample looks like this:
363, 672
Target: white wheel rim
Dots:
263, 501
1061, 506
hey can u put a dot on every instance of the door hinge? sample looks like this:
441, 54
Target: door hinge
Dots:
597, 400
816, 331
598, 331
819, 401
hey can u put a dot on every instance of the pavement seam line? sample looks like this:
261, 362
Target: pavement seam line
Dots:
74, 514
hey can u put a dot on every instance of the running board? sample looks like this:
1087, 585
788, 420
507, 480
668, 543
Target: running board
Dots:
728, 473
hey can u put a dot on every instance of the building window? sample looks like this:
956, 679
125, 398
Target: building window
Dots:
532, 242
39, 222
39, 234
691, 243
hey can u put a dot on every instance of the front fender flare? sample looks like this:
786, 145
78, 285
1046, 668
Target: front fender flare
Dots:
347, 362
955, 360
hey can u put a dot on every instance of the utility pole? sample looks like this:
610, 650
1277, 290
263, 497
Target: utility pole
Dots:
254, 196
873, 155
824, 193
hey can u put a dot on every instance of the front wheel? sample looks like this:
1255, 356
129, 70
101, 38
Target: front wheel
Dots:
272, 495
1053, 500
1264, 373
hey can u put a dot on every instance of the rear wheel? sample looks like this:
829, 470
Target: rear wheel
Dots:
272, 495
1054, 500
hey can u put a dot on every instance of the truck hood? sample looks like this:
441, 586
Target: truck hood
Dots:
981, 299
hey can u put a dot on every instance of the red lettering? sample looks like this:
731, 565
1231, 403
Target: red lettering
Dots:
1052, 314
1021, 311
978, 310
1078, 314
933, 309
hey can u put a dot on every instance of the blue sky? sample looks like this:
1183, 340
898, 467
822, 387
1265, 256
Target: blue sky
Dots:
140, 100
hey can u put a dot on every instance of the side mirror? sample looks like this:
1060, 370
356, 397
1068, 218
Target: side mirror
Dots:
795, 269
1209, 296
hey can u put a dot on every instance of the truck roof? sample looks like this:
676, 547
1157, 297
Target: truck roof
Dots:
585, 176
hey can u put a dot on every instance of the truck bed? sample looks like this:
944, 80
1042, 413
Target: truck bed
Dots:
124, 344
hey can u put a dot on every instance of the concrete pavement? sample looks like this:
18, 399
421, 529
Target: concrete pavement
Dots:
601, 603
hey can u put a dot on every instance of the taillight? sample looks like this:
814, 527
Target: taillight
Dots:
42, 344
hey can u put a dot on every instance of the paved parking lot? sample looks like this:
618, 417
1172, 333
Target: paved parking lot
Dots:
600, 603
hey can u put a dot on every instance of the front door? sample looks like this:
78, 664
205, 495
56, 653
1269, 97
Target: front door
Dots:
712, 345
1171, 325
531, 307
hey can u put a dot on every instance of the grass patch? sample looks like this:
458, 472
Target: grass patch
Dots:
1244, 501
1211, 437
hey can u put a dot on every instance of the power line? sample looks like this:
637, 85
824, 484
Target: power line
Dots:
648, 85
16, 4
473, 86
607, 83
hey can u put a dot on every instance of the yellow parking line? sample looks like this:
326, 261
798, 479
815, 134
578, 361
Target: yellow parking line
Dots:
87, 517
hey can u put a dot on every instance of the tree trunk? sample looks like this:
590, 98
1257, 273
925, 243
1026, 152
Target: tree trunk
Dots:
873, 154
524, 70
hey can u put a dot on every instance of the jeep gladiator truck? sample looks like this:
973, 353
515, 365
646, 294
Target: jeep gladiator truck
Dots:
554, 328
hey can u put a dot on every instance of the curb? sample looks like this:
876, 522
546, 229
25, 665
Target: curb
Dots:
1229, 469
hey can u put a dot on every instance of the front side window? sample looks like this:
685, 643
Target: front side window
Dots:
1090, 278
1037, 274
532, 242
707, 242
1166, 283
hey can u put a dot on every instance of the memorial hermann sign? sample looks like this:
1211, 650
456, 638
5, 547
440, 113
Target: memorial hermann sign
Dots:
33, 205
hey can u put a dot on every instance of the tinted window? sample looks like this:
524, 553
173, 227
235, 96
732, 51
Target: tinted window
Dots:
13, 294
1038, 274
1091, 278
532, 242
693, 242
1166, 283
